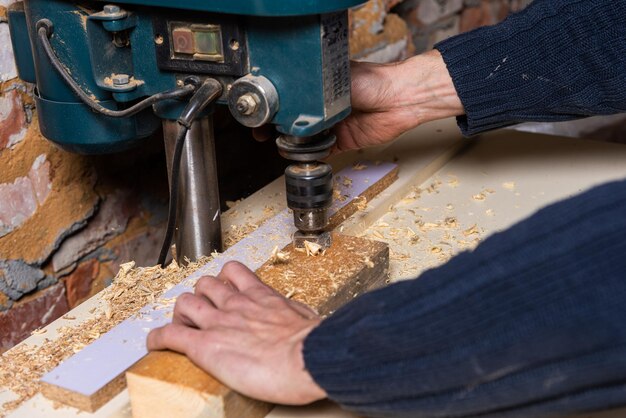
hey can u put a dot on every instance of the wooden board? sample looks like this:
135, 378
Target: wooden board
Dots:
168, 385
92, 376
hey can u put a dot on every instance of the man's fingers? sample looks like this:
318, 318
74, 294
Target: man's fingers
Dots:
215, 290
196, 311
176, 337
239, 275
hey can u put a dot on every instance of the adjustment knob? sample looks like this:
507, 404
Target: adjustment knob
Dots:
253, 101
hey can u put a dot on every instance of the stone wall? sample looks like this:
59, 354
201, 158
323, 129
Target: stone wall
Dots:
68, 221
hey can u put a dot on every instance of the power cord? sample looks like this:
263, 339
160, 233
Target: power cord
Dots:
45, 30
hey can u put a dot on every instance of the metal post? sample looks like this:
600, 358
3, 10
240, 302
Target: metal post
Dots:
198, 226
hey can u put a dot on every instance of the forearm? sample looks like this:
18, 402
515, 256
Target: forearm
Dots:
556, 60
529, 323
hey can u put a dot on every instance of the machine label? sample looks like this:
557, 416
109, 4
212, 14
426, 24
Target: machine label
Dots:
336, 63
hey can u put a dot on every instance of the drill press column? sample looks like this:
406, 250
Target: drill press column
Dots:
198, 224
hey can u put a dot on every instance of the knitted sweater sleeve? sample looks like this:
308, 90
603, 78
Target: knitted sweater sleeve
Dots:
556, 60
530, 324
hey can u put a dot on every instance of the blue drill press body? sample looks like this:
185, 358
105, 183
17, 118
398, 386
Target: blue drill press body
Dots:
300, 46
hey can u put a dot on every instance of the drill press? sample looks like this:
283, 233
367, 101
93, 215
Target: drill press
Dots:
108, 75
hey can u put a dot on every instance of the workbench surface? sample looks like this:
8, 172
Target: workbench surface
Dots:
430, 215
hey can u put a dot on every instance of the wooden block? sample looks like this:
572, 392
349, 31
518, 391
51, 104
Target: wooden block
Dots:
168, 385
349, 267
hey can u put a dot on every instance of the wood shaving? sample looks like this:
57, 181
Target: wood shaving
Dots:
450, 223
471, 231
427, 226
232, 203
337, 195
22, 367
377, 234
398, 256
434, 187
361, 203
479, 197
369, 263
436, 250
312, 249
359, 167
269, 211
126, 268
237, 232
453, 181
278, 257
410, 198
509, 185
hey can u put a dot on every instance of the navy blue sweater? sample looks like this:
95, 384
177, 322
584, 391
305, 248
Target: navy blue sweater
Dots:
556, 60
533, 322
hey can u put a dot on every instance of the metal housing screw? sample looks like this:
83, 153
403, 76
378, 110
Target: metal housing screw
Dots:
120, 79
247, 104
111, 9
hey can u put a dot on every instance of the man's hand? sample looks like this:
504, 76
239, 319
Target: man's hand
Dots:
244, 334
390, 99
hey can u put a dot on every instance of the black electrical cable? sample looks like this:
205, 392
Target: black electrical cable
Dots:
171, 215
44, 30
207, 93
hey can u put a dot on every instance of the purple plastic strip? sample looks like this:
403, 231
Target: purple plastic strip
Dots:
96, 365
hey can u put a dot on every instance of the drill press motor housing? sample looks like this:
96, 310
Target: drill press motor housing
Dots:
110, 75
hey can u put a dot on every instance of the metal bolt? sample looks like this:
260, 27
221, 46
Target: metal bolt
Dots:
111, 9
120, 79
247, 104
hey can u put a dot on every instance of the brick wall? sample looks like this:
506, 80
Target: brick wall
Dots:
388, 30
68, 221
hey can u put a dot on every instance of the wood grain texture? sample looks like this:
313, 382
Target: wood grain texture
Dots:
168, 385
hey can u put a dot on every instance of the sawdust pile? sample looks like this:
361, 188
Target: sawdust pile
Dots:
23, 366
238, 232
316, 279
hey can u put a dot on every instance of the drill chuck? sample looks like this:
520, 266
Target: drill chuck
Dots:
309, 194
309, 185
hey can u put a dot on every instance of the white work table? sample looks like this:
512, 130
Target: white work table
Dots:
490, 184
